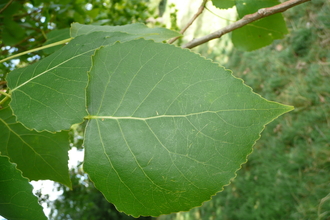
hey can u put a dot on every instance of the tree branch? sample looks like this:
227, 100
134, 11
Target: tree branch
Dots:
6, 6
200, 10
261, 13
36, 49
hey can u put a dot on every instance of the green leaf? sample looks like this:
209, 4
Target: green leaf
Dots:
93, 13
224, 4
168, 128
12, 8
55, 36
157, 34
13, 33
50, 94
17, 200
161, 7
259, 33
245, 7
39, 156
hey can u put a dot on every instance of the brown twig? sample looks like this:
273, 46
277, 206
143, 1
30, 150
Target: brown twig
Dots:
6, 6
261, 13
200, 10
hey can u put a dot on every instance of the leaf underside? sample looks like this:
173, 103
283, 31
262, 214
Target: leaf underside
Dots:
168, 129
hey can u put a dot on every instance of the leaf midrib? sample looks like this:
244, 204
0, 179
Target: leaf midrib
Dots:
172, 116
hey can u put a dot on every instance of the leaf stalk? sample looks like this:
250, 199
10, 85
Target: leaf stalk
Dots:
36, 49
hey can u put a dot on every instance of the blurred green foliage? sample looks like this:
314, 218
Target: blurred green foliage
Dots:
287, 175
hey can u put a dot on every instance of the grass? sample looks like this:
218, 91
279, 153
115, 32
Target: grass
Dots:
288, 174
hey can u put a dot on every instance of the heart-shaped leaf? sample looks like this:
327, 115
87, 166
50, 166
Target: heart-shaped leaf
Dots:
167, 128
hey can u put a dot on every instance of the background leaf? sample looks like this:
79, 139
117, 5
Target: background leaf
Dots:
224, 4
162, 7
39, 156
17, 200
55, 36
12, 33
157, 34
168, 129
261, 32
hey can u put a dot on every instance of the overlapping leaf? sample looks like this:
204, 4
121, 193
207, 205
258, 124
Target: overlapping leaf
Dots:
38, 155
157, 34
50, 94
168, 129
17, 200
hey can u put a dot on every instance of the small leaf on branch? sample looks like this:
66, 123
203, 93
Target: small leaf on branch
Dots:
224, 4
259, 33
168, 128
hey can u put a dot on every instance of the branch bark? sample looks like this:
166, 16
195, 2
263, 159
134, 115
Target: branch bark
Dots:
261, 13
200, 10
6, 6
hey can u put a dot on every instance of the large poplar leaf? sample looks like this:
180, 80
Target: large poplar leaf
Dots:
39, 156
17, 200
157, 34
50, 94
167, 128
261, 32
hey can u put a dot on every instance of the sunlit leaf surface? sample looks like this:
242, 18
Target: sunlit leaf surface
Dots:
167, 128
17, 200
